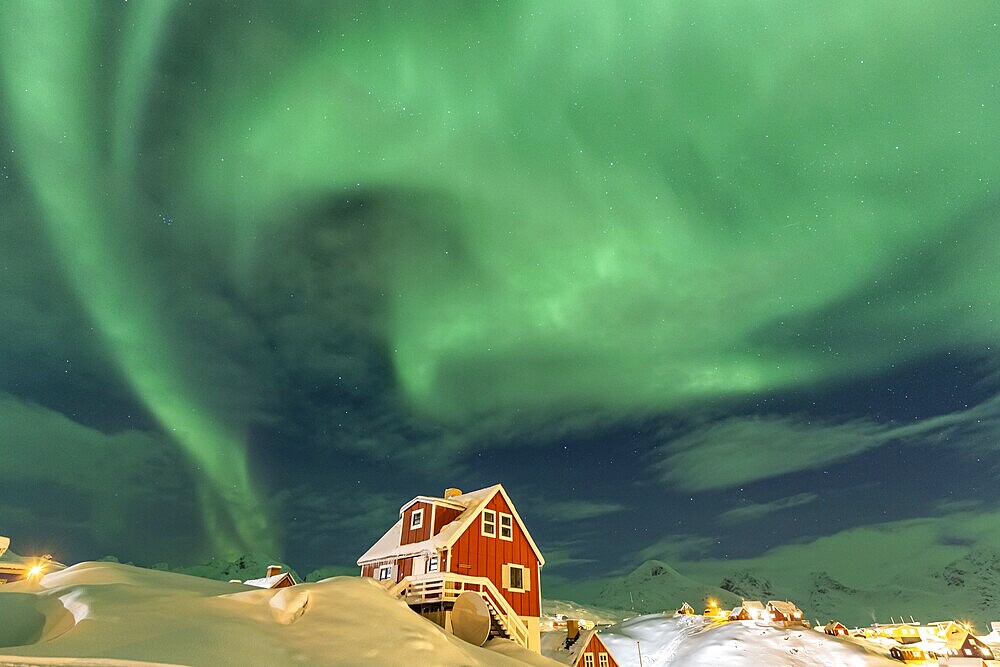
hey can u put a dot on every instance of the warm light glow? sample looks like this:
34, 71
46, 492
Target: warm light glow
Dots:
35, 571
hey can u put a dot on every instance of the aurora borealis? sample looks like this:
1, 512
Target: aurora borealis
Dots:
703, 276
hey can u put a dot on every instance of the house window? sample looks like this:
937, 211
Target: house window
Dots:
516, 578
489, 523
432, 564
417, 519
588, 660
602, 660
385, 572
506, 527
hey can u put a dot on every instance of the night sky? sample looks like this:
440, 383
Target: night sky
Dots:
698, 281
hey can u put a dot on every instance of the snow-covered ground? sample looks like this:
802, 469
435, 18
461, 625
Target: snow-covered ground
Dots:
694, 641
105, 613
111, 615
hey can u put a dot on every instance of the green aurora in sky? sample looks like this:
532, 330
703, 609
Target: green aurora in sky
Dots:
625, 208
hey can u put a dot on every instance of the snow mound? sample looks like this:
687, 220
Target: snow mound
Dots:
106, 613
698, 642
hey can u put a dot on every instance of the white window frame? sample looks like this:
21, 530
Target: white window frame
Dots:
417, 519
509, 527
385, 569
588, 660
492, 523
603, 660
433, 563
525, 578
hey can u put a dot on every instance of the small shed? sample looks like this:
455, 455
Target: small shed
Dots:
835, 629
274, 578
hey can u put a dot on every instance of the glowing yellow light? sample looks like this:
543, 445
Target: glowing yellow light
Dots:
35, 571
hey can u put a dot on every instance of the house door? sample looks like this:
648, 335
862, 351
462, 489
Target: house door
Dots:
419, 565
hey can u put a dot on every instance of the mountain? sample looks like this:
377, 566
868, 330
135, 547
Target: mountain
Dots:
654, 586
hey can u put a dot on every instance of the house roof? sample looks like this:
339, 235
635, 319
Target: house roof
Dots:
833, 625
269, 582
785, 606
957, 640
753, 605
472, 504
553, 646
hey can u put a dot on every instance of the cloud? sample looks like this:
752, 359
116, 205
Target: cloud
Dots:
740, 450
754, 511
127, 492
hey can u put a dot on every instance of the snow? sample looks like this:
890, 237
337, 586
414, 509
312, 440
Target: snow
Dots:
105, 613
694, 641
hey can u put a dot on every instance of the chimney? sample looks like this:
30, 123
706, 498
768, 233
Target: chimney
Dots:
273, 570
451, 492
572, 630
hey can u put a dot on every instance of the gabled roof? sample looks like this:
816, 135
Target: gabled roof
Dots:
569, 656
269, 582
957, 640
784, 606
753, 605
443, 502
472, 504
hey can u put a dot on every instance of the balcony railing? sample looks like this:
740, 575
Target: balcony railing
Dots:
446, 587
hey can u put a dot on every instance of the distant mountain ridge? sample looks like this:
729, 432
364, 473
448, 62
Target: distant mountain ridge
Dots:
966, 588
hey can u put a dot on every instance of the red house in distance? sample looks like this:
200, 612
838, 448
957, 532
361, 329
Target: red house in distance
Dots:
443, 547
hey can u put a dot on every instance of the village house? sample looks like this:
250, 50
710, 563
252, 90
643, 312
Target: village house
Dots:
908, 653
578, 648
749, 610
903, 633
784, 611
443, 547
835, 629
964, 645
15, 568
685, 610
274, 578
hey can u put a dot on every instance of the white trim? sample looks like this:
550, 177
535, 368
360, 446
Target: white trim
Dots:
525, 572
387, 569
510, 526
588, 660
493, 522
603, 659
417, 519
434, 563
431, 501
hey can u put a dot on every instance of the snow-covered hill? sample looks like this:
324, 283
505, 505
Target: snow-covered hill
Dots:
91, 613
654, 586
697, 642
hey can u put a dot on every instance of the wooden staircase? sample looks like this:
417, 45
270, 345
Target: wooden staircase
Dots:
445, 587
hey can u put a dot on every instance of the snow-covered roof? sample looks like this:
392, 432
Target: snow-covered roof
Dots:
389, 548
785, 606
4, 543
554, 646
269, 582
753, 605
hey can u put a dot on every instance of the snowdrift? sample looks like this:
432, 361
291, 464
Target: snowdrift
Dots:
698, 642
106, 613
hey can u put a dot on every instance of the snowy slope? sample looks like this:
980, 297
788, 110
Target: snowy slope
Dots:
654, 586
109, 611
696, 642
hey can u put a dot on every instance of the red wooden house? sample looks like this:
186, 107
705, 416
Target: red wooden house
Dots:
442, 547
578, 648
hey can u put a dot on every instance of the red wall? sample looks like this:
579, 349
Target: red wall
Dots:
478, 556
596, 646
420, 534
444, 516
